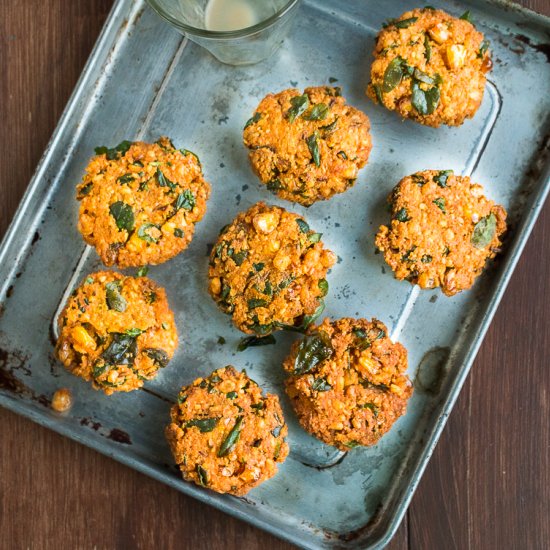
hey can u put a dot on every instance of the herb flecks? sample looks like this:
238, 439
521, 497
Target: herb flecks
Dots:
401, 215
115, 152
252, 120
441, 177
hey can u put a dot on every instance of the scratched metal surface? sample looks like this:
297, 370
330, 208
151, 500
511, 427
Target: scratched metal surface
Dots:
144, 80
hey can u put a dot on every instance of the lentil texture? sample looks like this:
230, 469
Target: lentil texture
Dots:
442, 232
430, 67
225, 435
139, 202
308, 146
347, 381
267, 270
116, 331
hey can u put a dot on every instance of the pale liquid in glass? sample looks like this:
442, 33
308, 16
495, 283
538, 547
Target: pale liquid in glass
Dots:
232, 15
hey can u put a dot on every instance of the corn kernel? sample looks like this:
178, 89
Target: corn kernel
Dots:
62, 400
266, 222
83, 341
439, 33
456, 56
215, 285
281, 261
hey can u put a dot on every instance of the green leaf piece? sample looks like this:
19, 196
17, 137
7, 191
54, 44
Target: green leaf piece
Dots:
114, 298
312, 350
252, 120
313, 146
143, 234
318, 112
320, 384
393, 74
123, 215
205, 425
255, 341
299, 105
232, 438
484, 231
185, 200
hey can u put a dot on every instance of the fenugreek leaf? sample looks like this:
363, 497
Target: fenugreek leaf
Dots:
185, 200
484, 231
393, 74
313, 146
114, 152
204, 425
299, 105
202, 474
232, 438
302, 224
123, 215
114, 298
254, 341
425, 101
401, 215
252, 120
164, 181
312, 350
319, 111
121, 351
143, 232
159, 356
441, 177
427, 49
467, 16
440, 203
320, 384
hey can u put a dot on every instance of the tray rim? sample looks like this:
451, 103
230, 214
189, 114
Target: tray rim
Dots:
382, 533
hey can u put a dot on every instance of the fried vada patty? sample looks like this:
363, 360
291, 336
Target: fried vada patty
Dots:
347, 381
139, 202
116, 331
225, 435
267, 270
307, 146
442, 232
430, 67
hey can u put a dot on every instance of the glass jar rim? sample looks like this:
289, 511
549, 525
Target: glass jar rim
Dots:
239, 33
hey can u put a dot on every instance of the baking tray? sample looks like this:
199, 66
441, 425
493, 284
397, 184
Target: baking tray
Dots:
144, 80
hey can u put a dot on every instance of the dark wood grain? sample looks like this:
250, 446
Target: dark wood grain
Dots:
487, 485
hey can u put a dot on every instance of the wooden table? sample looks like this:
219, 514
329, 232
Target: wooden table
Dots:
487, 485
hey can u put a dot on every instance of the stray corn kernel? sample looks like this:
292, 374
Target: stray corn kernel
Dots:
62, 400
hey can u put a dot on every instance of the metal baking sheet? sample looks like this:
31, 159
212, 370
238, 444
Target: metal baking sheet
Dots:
144, 80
